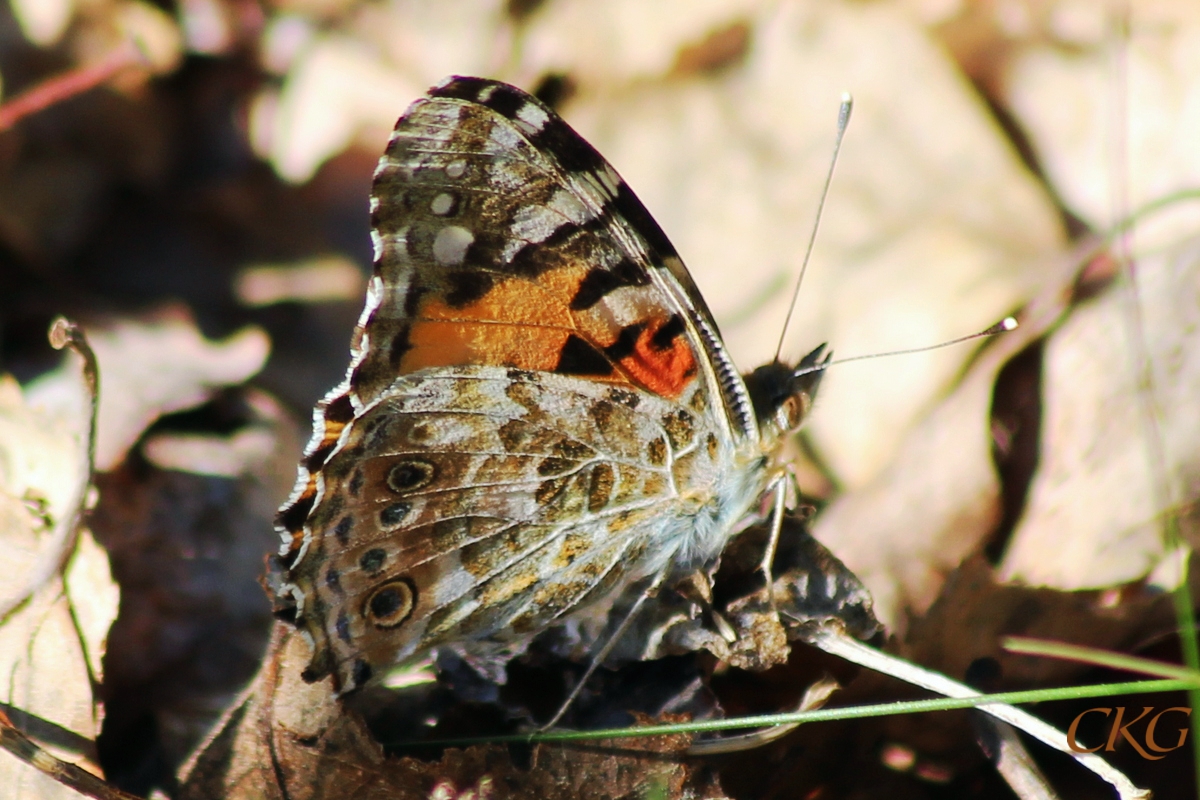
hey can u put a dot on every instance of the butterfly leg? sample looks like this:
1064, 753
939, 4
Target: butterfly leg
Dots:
603, 652
697, 587
778, 487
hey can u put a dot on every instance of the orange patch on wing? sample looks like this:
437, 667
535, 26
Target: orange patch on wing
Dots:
519, 323
330, 434
444, 343
513, 301
667, 371
525, 324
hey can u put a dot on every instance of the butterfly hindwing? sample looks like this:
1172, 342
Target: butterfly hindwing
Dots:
498, 500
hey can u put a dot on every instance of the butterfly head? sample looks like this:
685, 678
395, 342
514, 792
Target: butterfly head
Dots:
783, 395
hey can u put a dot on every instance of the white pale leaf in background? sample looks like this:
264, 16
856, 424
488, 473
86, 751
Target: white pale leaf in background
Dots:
1094, 514
50, 644
151, 369
43, 21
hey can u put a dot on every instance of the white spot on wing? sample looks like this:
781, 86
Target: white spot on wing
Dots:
455, 169
535, 223
588, 186
531, 118
504, 138
450, 245
568, 205
531, 223
442, 204
610, 180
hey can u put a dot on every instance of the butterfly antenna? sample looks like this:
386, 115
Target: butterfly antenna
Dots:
843, 121
1003, 326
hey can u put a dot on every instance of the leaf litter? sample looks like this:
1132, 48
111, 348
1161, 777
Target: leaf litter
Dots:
933, 229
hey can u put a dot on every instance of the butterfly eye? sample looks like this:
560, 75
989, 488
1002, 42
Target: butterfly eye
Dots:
391, 603
409, 475
792, 411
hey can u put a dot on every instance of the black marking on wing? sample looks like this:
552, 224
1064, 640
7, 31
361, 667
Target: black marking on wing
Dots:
292, 517
340, 410
554, 89
568, 243
316, 459
399, 345
580, 358
626, 341
662, 338
467, 286
568, 148
600, 282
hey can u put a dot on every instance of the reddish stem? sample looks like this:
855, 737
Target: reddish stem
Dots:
68, 84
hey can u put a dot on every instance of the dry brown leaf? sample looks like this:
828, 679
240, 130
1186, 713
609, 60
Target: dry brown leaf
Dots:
148, 369
1094, 512
1107, 476
188, 524
976, 610
52, 641
290, 739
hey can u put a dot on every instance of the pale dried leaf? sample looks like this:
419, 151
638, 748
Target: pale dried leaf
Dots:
43, 21
940, 497
148, 369
45, 673
332, 92
1094, 513
94, 598
626, 40
320, 279
1082, 118
41, 462
44, 667
155, 34
1117, 109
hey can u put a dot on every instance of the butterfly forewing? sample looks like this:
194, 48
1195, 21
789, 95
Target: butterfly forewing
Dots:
538, 407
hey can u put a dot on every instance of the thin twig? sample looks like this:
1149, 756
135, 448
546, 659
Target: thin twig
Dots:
841, 644
66, 773
68, 84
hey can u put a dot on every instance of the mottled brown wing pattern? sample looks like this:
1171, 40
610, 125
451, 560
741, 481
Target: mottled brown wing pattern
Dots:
503, 241
503, 238
485, 503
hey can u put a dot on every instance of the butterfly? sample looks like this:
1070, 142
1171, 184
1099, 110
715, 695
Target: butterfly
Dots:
539, 412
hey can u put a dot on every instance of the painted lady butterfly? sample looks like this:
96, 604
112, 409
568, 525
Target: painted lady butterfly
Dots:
539, 412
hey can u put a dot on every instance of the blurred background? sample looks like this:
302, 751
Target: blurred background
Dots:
189, 180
